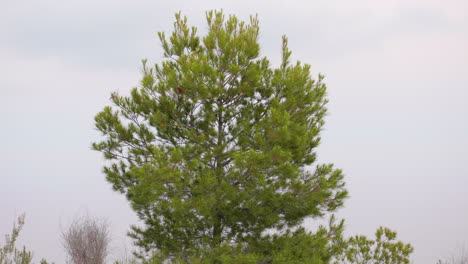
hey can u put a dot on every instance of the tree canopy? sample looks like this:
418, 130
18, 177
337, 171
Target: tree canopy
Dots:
216, 151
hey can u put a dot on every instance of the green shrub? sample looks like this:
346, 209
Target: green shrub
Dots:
9, 254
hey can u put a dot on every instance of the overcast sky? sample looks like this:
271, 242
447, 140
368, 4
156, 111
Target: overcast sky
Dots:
397, 76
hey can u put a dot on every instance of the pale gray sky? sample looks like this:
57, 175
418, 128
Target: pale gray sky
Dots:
397, 73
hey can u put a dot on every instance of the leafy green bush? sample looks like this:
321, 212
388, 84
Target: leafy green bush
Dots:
383, 250
9, 254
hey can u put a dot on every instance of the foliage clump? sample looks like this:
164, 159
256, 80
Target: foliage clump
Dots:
9, 254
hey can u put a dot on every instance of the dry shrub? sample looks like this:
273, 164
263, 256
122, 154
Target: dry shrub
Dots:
86, 241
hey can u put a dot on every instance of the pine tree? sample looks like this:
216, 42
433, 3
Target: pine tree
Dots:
215, 151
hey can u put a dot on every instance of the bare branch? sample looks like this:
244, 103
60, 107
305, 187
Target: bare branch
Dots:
86, 241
